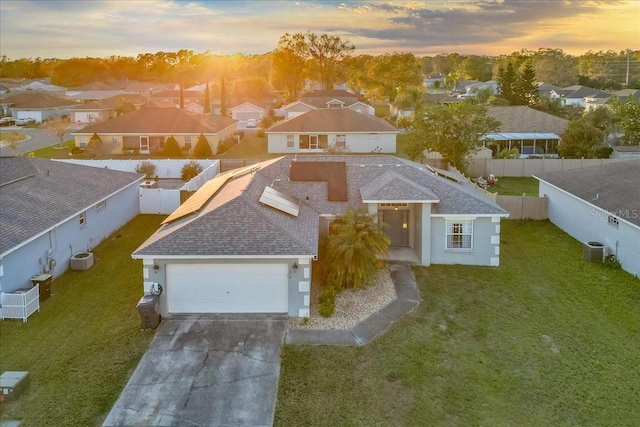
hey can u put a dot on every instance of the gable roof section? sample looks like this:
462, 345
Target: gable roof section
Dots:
337, 120
34, 100
112, 102
613, 187
393, 187
38, 194
160, 120
522, 119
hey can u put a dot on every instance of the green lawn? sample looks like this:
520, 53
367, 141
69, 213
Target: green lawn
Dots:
508, 186
53, 151
546, 339
251, 147
81, 348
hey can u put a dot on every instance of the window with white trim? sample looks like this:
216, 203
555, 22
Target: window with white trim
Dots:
101, 205
289, 141
374, 136
460, 234
613, 221
82, 219
341, 141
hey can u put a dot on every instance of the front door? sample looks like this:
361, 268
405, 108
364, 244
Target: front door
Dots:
397, 228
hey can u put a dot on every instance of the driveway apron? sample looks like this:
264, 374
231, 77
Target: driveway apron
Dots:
206, 371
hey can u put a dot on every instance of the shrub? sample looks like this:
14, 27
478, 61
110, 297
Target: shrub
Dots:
327, 301
147, 168
226, 144
190, 170
171, 148
202, 149
77, 150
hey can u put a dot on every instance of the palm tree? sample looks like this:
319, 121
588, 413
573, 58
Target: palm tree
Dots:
354, 247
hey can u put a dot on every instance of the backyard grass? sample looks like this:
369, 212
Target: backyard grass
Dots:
82, 346
251, 147
546, 339
509, 186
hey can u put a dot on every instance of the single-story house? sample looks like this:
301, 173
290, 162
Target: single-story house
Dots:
248, 110
246, 240
531, 131
52, 211
576, 94
599, 204
173, 96
99, 111
147, 129
39, 106
625, 152
337, 99
318, 130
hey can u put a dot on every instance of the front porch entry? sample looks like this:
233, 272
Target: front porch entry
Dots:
397, 227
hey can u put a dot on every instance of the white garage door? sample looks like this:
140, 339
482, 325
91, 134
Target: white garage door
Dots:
227, 288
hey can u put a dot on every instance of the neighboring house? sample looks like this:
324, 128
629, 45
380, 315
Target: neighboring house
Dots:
99, 111
599, 204
576, 94
39, 106
344, 129
531, 131
625, 152
146, 130
473, 89
248, 110
52, 211
336, 99
43, 85
173, 96
434, 80
245, 242
603, 100
293, 109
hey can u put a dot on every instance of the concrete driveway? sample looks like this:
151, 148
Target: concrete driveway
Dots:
206, 371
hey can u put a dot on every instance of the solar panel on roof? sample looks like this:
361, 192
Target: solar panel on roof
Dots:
446, 174
283, 202
206, 192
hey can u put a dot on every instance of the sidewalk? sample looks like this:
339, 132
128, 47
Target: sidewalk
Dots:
408, 298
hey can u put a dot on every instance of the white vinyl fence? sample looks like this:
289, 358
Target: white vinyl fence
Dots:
529, 167
159, 201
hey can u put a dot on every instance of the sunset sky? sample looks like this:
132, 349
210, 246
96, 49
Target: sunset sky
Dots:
66, 29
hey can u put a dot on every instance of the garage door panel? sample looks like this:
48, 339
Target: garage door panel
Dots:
227, 288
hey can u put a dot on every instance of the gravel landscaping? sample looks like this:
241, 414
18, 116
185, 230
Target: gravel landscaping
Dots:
352, 306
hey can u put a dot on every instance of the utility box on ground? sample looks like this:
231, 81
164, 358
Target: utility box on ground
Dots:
12, 384
148, 309
44, 280
593, 252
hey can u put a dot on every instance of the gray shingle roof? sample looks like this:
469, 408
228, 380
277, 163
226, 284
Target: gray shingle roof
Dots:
614, 187
235, 223
522, 119
159, 120
333, 120
36, 194
392, 186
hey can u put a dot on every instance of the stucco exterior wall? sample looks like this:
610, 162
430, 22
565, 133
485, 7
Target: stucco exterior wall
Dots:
355, 142
486, 243
588, 223
68, 239
299, 282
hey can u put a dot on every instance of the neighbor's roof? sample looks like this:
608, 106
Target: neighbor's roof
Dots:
333, 120
113, 102
234, 222
37, 194
613, 187
522, 119
160, 120
34, 100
